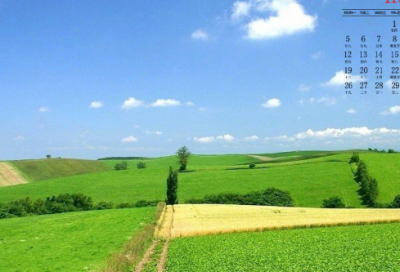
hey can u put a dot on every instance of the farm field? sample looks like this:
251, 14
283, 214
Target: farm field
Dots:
350, 248
79, 241
43, 169
9, 175
202, 219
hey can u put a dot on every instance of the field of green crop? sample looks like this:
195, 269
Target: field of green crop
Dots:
350, 248
35, 170
309, 181
79, 241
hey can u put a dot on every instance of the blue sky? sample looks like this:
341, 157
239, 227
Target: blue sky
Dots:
90, 79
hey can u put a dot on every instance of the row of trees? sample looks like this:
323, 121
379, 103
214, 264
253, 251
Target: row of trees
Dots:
390, 150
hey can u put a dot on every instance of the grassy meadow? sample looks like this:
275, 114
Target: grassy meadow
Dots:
308, 180
351, 248
79, 241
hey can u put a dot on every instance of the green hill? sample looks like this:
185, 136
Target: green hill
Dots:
309, 181
43, 169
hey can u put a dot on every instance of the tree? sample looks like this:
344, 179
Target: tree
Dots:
183, 155
141, 165
333, 202
48, 156
172, 187
355, 158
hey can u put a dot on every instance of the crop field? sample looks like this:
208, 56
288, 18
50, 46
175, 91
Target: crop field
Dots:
79, 241
350, 248
43, 169
9, 175
201, 219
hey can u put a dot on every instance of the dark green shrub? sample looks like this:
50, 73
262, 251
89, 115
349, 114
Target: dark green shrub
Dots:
333, 202
121, 166
141, 165
355, 158
125, 205
268, 197
396, 202
391, 151
103, 205
252, 166
145, 203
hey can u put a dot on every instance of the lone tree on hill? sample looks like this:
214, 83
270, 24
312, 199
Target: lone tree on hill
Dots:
172, 187
183, 155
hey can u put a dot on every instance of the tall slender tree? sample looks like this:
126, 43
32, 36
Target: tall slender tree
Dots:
183, 155
172, 187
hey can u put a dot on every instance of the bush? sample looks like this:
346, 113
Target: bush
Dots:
252, 166
103, 205
396, 202
355, 158
141, 165
125, 205
145, 203
268, 197
333, 202
121, 166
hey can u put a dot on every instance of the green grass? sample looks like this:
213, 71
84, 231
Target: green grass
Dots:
386, 169
351, 248
36, 170
309, 181
79, 241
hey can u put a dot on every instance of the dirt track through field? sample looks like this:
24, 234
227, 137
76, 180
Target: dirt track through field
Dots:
9, 175
261, 158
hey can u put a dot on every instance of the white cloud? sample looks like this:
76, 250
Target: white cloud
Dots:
204, 140
211, 139
130, 139
251, 138
158, 133
345, 132
290, 18
165, 103
392, 110
340, 78
304, 88
351, 111
240, 9
317, 55
189, 103
44, 109
19, 138
96, 104
132, 102
200, 34
226, 137
272, 103
155, 132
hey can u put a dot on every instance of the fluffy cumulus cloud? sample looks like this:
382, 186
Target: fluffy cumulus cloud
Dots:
272, 103
340, 78
96, 104
278, 18
132, 102
200, 34
211, 139
129, 139
392, 110
165, 103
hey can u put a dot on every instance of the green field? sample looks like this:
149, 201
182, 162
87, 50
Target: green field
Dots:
35, 170
309, 181
351, 248
79, 241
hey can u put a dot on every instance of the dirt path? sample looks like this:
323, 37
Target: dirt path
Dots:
261, 158
163, 259
9, 175
146, 257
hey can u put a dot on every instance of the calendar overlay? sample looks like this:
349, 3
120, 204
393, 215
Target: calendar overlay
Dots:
372, 61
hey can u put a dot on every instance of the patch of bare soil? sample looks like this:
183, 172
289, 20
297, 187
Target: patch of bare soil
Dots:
261, 158
9, 175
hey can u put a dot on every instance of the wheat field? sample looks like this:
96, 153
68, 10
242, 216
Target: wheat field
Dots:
201, 219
